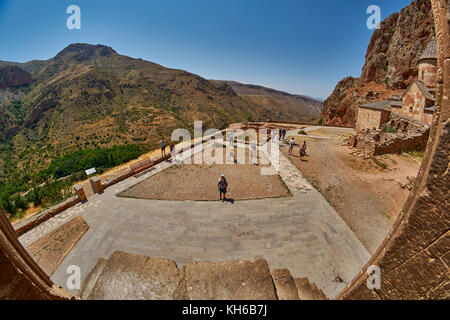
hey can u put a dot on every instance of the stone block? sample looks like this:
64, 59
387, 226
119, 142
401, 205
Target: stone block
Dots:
80, 193
240, 280
96, 185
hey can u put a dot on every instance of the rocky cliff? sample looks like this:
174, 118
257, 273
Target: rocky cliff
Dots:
13, 76
390, 66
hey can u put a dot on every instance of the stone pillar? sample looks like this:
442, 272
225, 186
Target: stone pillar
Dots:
80, 192
96, 185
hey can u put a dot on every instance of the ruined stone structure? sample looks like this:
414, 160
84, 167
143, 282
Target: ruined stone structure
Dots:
414, 258
399, 134
417, 102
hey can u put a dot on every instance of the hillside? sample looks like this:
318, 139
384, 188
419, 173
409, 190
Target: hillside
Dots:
288, 107
91, 96
390, 66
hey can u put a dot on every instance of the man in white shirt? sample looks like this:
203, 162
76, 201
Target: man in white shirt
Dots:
291, 145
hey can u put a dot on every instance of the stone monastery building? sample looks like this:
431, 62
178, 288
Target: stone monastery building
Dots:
417, 102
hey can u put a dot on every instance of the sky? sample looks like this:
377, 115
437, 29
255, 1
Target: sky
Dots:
297, 46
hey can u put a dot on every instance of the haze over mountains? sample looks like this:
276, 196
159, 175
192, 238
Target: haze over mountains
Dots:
89, 95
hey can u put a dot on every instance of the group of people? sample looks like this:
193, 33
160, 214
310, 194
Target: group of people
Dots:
282, 134
302, 151
163, 145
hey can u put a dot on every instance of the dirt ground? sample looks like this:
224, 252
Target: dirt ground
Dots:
199, 183
50, 251
366, 193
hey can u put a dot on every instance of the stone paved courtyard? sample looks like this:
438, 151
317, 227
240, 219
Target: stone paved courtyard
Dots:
302, 233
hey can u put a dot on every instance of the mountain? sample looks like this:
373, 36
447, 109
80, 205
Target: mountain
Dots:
289, 107
91, 96
390, 66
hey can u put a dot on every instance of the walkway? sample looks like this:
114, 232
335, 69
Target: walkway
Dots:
302, 233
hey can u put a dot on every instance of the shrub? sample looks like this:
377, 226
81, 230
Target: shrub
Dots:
389, 129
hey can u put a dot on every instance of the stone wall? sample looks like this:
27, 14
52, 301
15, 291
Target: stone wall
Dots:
409, 135
371, 118
413, 105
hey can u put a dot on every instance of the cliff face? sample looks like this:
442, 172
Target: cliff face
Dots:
12, 76
391, 63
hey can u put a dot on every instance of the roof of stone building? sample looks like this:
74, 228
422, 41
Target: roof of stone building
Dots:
380, 105
426, 91
397, 104
430, 51
395, 97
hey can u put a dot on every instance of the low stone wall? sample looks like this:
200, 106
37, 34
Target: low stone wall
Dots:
409, 135
28, 224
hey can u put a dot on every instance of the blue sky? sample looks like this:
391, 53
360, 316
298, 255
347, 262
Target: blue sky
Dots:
297, 46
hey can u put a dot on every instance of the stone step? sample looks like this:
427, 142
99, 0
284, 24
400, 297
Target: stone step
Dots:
285, 285
237, 280
127, 276
134, 277
308, 290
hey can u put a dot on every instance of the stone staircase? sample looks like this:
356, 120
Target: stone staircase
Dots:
127, 276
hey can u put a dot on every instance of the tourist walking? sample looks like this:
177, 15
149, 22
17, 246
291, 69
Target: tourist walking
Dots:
284, 133
172, 151
162, 143
280, 134
223, 188
303, 151
291, 145
231, 137
252, 153
232, 156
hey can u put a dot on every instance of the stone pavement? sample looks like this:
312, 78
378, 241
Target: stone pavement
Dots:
302, 233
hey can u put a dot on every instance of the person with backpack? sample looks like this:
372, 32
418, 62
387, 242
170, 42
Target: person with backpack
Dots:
223, 187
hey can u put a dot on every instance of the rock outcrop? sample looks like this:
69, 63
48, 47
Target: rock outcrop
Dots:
390, 66
13, 76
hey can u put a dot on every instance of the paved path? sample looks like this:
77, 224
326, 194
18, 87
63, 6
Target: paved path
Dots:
302, 233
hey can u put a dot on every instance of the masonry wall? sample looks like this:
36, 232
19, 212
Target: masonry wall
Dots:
413, 105
370, 118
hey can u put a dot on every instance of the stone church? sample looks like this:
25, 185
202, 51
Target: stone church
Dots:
417, 102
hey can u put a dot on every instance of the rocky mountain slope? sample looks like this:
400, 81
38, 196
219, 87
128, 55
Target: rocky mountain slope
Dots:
91, 96
391, 63
288, 107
